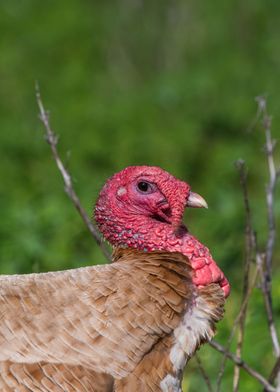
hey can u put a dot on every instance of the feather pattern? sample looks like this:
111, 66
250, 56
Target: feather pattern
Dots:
47, 377
102, 318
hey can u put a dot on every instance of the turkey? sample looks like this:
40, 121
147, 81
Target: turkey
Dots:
127, 326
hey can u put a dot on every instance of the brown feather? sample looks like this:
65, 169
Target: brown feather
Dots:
156, 365
103, 318
43, 377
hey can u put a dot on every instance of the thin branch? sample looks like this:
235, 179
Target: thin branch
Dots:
250, 250
263, 260
244, 305
270, 191
52, 140
247, 288
242, 364
274, 371
203, 373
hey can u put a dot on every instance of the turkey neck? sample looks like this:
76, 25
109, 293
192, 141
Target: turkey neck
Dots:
149, 235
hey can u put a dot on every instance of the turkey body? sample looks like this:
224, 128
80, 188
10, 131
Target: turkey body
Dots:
128, 326
60, 330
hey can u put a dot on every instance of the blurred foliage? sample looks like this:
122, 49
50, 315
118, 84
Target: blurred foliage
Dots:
127, 82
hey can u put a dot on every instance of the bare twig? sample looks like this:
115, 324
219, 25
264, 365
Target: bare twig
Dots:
263, 260
242, 364
247, 289
244, 305
270, 190
203, 373
274, 371
250, 250
52, 140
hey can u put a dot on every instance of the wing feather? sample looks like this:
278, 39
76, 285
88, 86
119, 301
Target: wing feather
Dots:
44, 377
103, 318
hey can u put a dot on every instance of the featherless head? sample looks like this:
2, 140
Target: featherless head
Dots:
144, 195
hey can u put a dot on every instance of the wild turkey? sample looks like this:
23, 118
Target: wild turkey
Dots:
137, 320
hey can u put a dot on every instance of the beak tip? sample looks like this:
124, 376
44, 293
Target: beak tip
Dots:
196, 201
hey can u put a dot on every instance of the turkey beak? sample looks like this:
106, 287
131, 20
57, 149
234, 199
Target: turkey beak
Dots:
196, 201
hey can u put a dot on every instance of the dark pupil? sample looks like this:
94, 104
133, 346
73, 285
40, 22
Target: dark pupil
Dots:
143, 186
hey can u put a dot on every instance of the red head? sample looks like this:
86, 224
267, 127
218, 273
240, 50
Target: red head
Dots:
142, 197
142, 207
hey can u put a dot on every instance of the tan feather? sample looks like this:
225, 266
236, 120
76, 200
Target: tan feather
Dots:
43, 377
156, 366
103, 318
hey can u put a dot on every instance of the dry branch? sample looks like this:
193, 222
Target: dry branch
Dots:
250, 250
203, 373
243, 308
270, 190
52, 140
263, 260
266, 282
239, 362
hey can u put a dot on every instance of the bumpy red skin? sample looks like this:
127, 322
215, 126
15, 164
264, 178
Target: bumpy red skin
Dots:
126, 217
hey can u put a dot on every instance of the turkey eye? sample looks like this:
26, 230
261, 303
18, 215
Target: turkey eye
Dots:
143, 186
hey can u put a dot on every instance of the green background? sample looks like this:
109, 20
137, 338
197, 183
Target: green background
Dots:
128, 82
